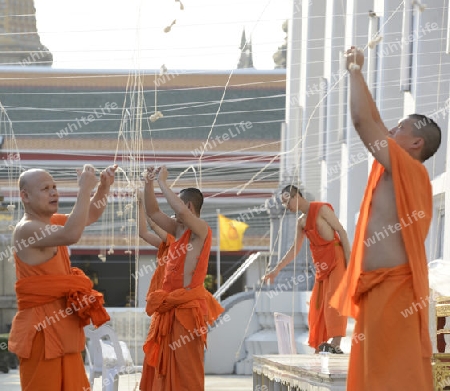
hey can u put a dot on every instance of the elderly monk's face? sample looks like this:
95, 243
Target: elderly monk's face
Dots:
40, 193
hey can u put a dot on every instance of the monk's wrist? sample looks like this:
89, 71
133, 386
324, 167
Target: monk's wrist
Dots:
162, 183
103, 190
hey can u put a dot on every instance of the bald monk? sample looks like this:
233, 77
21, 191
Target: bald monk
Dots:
182, 309
386, 284
330, 250
55, 301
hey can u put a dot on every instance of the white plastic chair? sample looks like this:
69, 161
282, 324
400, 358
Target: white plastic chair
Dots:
107, 358
284, 326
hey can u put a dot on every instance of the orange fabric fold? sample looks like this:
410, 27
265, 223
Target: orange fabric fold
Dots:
324, 321
368, 280
161, 262
76, 288
413, 194
387, 334
184, 306
63, 373
179, 326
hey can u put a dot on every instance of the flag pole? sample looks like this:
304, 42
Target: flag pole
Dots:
218, 250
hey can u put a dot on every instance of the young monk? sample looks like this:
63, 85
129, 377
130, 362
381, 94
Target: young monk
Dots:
54, 300
387, 273
182, 309
160, 239
330, 250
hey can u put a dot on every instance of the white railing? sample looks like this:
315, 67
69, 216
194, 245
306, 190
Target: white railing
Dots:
241, 269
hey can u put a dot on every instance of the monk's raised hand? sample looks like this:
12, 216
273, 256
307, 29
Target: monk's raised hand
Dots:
107, 175
354, 57
163, 174
150, 174
89, 167
86, 178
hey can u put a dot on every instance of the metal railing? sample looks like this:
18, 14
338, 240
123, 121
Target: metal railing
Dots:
241, 269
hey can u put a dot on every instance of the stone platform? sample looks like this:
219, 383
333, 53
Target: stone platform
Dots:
304, 372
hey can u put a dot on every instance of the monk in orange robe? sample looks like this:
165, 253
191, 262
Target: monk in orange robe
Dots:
330, 250
55, 301
386, 284
160, 239
182, 309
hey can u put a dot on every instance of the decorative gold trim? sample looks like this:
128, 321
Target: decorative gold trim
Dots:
441, 370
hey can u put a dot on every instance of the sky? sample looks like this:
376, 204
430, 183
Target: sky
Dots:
123, 34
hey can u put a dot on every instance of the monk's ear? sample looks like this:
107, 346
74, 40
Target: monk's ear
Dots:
418, 143
24, 195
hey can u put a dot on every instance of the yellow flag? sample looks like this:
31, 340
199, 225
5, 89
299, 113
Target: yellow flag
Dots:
231, 233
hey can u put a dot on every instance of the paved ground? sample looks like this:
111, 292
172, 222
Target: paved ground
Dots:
10, 382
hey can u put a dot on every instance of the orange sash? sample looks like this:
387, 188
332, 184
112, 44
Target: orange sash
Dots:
86, 302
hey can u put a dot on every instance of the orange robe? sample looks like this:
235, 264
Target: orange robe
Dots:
328, 257
391, 349
174, 349
156, 284
54, 302
161, 262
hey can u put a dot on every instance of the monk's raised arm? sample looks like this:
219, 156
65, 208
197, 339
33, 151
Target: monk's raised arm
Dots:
183, 211
100, 199
149, 237
365, 116
151, 204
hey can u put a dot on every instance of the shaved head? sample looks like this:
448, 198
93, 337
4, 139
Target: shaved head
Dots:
191, 194
429, 131
28, 177
291, 190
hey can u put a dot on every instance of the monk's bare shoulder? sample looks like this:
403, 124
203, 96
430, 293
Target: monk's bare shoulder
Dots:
26, 229
325, 211
301, 222
21, 228
30, 234
28, 238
